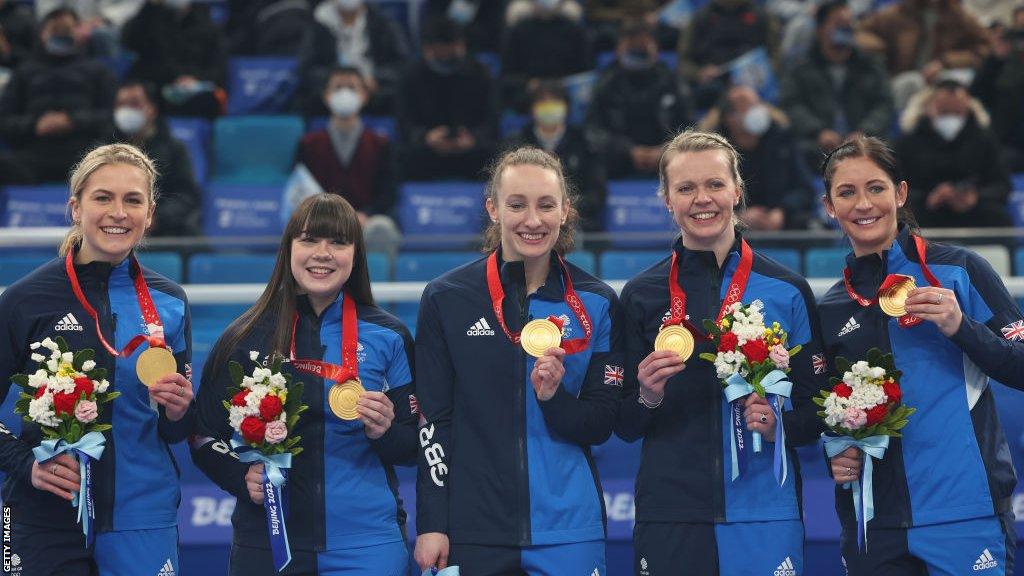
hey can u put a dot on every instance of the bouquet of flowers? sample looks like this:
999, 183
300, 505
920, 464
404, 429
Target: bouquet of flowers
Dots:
264, 410
64, 397
751, 357
863, 409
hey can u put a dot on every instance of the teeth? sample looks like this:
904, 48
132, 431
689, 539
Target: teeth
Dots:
115, 230
864, 221
320, 270
704, 215
531, 236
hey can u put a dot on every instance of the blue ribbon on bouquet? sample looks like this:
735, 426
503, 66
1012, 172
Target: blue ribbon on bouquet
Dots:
776, 388
275, 498
87, 449
449, 571
863, 489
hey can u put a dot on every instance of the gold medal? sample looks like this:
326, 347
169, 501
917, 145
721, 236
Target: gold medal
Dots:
675, 338
539, 335
894, 300
342, 398
153, 363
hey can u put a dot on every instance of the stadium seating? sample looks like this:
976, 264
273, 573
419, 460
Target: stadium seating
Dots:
237, 161
997, 255
584, 259
423, 267
788, 257
230, 268
623, 264
825, 262
430, 213
14, 267
261, 85
633, 208
165, 263
36, 205
383, 125
194, 133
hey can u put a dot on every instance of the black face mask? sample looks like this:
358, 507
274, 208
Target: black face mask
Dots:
60, 45
445, 66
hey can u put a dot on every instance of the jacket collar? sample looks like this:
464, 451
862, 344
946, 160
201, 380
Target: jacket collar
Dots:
868, 271
703, 260
513, 275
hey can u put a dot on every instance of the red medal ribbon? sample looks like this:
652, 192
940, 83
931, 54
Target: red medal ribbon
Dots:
149, 311
737, 286
891, 280
571, 298
349, 342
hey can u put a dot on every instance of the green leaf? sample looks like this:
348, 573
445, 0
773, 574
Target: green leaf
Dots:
227, 405
795, 349
292, 421
21, 406
20, 380
62, 344
101, 427
81, 357
236, 371
842, 364
275, 366
818, 400
711, 328
231, 390
874, 357
708, 356
296, 451
97, 374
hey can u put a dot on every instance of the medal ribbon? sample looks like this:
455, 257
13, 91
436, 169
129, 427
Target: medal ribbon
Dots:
149, 311
891, 280
349, 369
737, 286
497, 293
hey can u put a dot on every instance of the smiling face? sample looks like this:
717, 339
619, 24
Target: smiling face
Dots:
530, 208
114, 209
321, 266
864, 200
701, 194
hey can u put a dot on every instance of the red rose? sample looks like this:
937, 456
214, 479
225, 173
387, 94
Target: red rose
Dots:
842, 390
728, 342
64, 403
83, 384
755, 351
239, 399
270, 407
892, 391
253, 429
877, 414
40, 391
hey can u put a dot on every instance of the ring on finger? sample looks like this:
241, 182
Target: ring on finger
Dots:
849, 471
939, 301
763, 418
53, 470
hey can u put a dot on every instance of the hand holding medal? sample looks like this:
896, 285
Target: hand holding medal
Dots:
937, 305
547, 372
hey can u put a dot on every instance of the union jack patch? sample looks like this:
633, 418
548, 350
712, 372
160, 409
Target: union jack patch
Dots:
188, 371
818, 363
1014, 330
613, 375
414, 405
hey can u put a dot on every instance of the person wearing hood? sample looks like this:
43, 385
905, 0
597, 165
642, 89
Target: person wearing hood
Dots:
635, 103
137, 121
836, 92
952, 159
56, 104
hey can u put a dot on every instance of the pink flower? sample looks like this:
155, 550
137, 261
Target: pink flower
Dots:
779, 356
276, 432
86, 411
854, 418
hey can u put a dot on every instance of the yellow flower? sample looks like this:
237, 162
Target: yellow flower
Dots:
283, 395
725, 323
66, 369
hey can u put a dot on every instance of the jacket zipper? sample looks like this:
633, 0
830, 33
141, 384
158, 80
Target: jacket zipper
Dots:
717, 473
524, 473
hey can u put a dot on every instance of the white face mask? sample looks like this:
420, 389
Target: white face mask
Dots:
129, 120
948, 125
757, 120
348, 5
547, 4
344, 102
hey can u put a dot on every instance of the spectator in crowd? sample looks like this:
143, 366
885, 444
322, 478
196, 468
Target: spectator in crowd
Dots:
347, 159
483, 20
720, 32
278, 28
549, 131
605, 18
182, 52
101, 21
636, 104
951, 159
447, 116
56, 105
836, 92
137, 121
519, 10
1000, 87
991, 12
369, 40
919, 39
544, 43
779, 191
17, 33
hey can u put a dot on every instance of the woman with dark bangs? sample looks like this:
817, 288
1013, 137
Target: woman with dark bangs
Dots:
344, 515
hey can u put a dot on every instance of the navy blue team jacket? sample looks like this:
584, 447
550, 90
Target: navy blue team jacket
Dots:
135, 483
685, 458
497, 466
952, 462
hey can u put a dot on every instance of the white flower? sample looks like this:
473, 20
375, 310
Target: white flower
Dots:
40, 410
52, 365
254, 355
34, 345
277, 381
40, 378
860, 368
102, 386
247, 382
37, 357
235, 417
62, 384
88, 365
876, 373
68, 357
835, 409
867, 396
253, 399
47, 343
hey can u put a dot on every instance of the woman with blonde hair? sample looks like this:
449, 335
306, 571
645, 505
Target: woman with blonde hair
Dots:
96, 295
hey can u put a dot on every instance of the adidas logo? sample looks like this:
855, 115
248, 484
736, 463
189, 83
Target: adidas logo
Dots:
985, 561
850, 326
786, 568
481, 328
167, 569
68, 323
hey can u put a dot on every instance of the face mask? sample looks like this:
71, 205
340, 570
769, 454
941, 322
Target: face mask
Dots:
344, 102
444, 66
842, 37
636, 60
550, 113
348, 5
757, 120
547, 4
60, 45
461, 11
129, 120
948, 125
177, 4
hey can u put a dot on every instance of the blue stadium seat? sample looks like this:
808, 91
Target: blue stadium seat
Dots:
634, 206
255, 149
1016, 202
242, 210
825, 262
429, 213
423, 267
14, 267
383, 125
38, 205
230, 268
165, 263
261, 84
788, 257
1018, 262
667, 57
624, 264
512, 123
585, 259
379, 265
194, 133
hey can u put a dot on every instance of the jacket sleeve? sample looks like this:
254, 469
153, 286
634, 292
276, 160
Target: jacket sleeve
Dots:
991, 333
590, 418
15, 456
174, 432
398, 444
802, 424
434, 388
633, 418
211, 447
